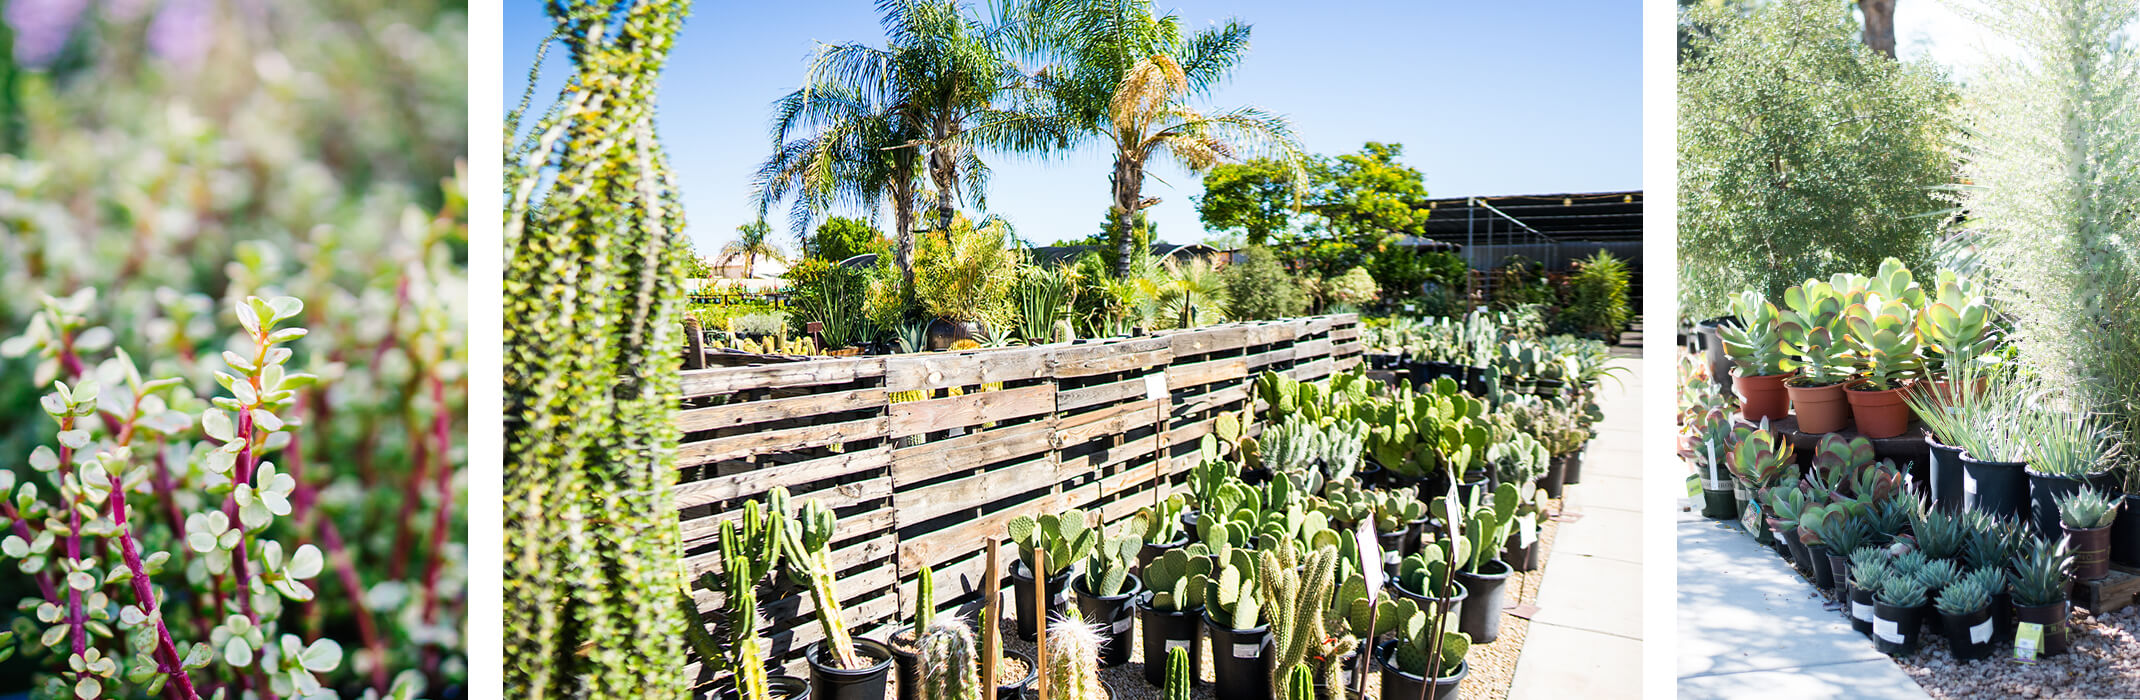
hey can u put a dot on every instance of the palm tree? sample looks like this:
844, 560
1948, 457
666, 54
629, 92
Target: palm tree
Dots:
922, 105
752, 243
1125, 74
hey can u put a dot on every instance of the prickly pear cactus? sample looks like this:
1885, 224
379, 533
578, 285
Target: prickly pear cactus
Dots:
1179, 578
1234, 597
1066, 538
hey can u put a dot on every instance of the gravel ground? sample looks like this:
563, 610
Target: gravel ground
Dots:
1493, 666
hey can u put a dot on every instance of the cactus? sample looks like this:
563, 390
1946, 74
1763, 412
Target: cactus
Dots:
1160, 523
1397, 509
1108, 567
1300, 591
749, 551
950, 667
1299, 683
1073, 659
1233, 597
1179, 578
1428, 569
806, 540
924, 600
1066, 538
1486, 526
1178, 680
1415, 629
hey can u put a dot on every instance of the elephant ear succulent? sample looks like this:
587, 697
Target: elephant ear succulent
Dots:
1763, 458
1812, 331
1955, 326
1883, 332
1756, 343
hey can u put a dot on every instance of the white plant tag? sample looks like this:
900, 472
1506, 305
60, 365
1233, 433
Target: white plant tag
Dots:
1247, 651
1391, 557
1861, 611
1155, 386
1888, 630
1182, 644
1980, 633
1969, 484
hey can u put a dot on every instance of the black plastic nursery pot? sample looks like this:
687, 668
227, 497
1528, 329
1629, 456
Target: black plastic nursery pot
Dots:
907, 662
1897, 630
1152, 552
1016, 689
1239, 668
1970, 637
1163, 630
829, 682
1396, 684
1946, 466
1369, 474
1022, 589
1452, 607
1822, 575
1554, 483
1718, 501
1415, 532
1800, 558
1520, 556
1475, 381
1995, 488
2125, 532
1575, 468
788, 688
1117, 616
2053, 618
2044, 492
2002, 616
1839, 574
1188, 526
1392, 546
1481, 615
1473, 484
1861, 610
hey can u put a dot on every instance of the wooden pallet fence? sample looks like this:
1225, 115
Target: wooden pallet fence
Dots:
927, 457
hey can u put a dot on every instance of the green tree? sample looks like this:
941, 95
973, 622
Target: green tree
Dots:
594, 596
1259, 288
1802, 153
1125, 76
1368, 196
753, 241
840, 238
1258, 198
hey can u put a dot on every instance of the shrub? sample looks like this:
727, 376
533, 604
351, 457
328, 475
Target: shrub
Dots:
840, 238
1411, 273
1597, 297
1258, 288
1802, 153
1355, 288
966, 274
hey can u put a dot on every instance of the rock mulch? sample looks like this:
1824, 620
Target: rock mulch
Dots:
2103, 662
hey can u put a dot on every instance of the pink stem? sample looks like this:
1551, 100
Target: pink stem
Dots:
442, 435
167, 659
22, 530
77, 616
331, 538
411, 493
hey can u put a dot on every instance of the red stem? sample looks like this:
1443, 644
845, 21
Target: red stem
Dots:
167, 659
22, 530
442, 435
331, 539
77, 616
411, 493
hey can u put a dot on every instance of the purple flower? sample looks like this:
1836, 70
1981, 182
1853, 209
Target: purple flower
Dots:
42, 27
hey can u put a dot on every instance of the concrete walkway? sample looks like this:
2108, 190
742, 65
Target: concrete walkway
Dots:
1586, 641
1749, 626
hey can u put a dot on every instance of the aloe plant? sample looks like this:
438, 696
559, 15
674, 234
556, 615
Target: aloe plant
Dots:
1756, 343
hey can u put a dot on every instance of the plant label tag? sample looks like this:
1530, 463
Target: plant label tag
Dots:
1694, 486
1969, 485
1392, 557
1155, 386
1123, 625
2028, 639
1861, 611
1526, 536
1062, 598
1182, 644
1408, 306
1888, 630
1247, 651
1980, 632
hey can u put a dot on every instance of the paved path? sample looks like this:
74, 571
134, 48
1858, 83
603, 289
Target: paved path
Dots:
1586, 641
1749, 626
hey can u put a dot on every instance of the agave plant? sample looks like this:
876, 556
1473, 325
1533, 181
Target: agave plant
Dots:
2039, 572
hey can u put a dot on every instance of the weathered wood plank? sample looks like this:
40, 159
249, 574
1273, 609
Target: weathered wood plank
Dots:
917, 417
701, 530
729, 380
1106, 358
912, 465
1073, 399
936, 370
732, 415
1184, 376
1312, 349
692, 494
782, 440
924, 503
1210, 340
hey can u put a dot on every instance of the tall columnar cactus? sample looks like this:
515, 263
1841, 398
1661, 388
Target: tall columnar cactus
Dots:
1178, 682
806, 542
950, 667
1300, 590
594, 248
1073, 660
924, 600
748, 553
1299, 683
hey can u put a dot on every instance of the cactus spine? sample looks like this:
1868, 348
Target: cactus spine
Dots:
807, 541
748, 554
1300, 592
593, 241
950, 668
1178, 680
1073, 663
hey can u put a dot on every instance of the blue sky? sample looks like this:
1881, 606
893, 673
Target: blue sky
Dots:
1488, 98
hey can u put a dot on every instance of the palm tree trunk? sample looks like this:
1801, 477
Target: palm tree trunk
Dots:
903, 222
1128, 185
1879, 25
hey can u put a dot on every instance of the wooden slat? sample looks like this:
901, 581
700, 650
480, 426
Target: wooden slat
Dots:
738, 414
917, 417
786, 439
928, 502
972, 368
692, 494
929, 460
1185, 376
1073, 399
729, 380
700, 530
1106, 358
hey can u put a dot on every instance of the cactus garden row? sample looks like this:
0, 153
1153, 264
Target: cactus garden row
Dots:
1355, 539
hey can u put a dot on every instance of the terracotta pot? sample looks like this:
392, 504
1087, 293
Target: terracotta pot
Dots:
1762, 397
1880, 413
1820, 409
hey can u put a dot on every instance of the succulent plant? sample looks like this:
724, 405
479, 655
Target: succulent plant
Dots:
806, 544
1901, 592
1909, 563
2086, 509
1937, 574
1812, 331
1179, 578
2039, 572
1963, 597
1883, 334
1397, 509
1234, 598
1300, 590
1755, 344
750, 550
1108, 568
1429, 569
1762, 458
1955, 325
924, 599
1993, 579
1178, 683
950, 666
1990, 541
1298, 683
1870, 574
1416, 634
1160, 523
1066, 538
1072, 659
1486, 526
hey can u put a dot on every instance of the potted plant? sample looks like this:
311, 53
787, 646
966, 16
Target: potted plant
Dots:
1065, 539
1759, 460
1433, 569
1868, 570
905, 642
1104, 593
2067, 454
1883, 334
1782, 504
1422, 647
750, 550
1071, 660
1708, 442
841, 667
1898, 615
1400, 521
1303, 595
2086, 516
1955, 327
2039, 589
1756, 348
1842, 532
1995, 426
1812, 330
1965, 615
1160, 527
1233, 615
964, 279
1170, 607
1939, 405
1484, 577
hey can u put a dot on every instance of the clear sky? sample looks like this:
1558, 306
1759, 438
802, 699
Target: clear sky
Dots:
1488, 98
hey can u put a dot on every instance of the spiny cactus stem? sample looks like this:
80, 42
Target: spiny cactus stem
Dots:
827, 600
